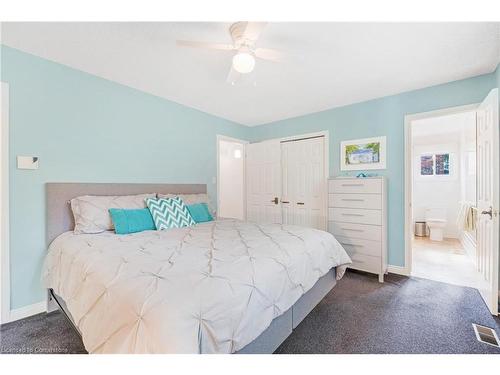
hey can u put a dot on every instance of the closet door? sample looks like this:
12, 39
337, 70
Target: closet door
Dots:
263, 181
304, 183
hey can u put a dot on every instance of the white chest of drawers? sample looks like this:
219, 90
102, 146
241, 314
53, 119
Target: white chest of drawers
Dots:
357, 217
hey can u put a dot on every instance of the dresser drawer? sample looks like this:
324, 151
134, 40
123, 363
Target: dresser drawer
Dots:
367, 232
360, 246
355, 215
366, 263
355, 186
371, 201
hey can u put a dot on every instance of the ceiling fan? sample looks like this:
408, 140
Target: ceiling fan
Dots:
245, 36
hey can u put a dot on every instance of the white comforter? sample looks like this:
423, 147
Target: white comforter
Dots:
210, 288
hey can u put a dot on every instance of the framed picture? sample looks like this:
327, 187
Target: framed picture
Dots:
363, 154
436, 165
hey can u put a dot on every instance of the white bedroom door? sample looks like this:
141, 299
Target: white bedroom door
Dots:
488, 178
304, 182
263, 170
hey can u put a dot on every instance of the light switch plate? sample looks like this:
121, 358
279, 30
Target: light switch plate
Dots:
27, 162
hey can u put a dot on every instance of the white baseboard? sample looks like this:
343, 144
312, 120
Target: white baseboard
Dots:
398, 270
25, 311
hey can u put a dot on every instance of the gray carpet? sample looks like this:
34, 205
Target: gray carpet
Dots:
402, 315
360, 315
40, 334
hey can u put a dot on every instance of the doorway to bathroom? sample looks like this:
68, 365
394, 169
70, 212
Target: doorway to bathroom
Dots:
444, 198
452, 196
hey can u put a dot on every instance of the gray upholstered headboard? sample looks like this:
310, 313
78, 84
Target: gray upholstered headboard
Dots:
60, 218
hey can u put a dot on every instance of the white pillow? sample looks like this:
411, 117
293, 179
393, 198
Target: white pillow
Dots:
192, 199
91, 211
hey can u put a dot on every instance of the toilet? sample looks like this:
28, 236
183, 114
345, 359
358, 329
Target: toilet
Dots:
435, 217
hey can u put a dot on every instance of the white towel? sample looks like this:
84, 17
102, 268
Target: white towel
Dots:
462, 212
466, 218
470, 219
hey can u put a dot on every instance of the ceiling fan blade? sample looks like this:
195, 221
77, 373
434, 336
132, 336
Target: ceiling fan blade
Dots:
253, 30
233, 76
193, 44
269, 54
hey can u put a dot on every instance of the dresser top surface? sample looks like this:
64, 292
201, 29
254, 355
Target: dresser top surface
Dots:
356, 178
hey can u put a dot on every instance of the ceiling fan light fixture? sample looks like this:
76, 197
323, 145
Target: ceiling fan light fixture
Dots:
243, 62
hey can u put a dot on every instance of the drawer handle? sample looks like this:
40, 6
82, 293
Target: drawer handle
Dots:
285, 201
353, 200
353, 230
300, 203
352, 184
352, 214
351, 244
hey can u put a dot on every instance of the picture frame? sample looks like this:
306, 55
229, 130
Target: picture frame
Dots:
363, 154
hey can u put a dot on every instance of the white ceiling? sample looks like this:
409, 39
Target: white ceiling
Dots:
327, 64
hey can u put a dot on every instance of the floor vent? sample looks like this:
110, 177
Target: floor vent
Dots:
486, 335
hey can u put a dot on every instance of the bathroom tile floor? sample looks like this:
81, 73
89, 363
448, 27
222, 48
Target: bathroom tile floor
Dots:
444, 261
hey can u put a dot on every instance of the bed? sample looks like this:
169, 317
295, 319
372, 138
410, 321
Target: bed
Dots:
225, 286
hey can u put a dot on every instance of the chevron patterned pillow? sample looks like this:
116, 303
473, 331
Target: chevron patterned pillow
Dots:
169, 213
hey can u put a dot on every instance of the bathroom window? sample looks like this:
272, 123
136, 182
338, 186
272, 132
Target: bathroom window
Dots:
435, 164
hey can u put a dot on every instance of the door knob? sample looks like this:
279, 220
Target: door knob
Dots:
490, 212
275, 200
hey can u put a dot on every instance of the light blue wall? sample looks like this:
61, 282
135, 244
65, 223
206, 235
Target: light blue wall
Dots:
497, 74
88, 129
384, 116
